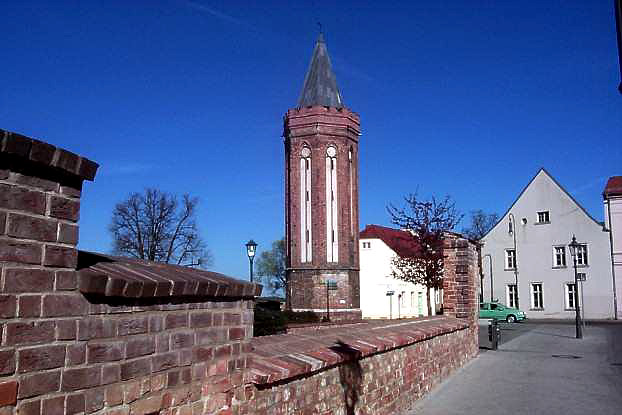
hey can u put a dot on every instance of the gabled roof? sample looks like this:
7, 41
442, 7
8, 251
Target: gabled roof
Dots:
399, 241
113, 276
543, 170
320, 86
613, 187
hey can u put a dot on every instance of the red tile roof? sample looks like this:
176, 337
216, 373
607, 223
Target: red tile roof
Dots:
613, 187
399, 241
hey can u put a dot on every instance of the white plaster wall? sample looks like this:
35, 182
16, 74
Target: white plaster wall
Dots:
375, 281
615, 205
534, 245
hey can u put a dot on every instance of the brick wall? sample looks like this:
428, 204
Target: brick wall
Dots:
88, 333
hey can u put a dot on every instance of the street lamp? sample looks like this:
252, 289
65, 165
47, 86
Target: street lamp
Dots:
251, 248
512, 231
573, 245
491, 294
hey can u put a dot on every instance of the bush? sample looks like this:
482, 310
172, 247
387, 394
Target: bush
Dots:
268, 322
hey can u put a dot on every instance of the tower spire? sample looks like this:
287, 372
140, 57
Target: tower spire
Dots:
320, 86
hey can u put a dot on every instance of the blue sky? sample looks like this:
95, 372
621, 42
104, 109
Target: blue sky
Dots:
463, 98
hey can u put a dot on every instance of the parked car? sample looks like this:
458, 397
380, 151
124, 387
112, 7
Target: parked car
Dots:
500, 312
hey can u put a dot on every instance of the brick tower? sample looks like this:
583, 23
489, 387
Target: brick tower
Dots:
321, 195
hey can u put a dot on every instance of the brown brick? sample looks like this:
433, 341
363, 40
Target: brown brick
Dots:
55, 305
8, 306
201, 319
24, 280
232, 319
174, 321
81, 378
19, 198
162, 342
182, 340
38, 384
29, 306
165, 361
54, 406
66, 280
135, 368
7, 362
88, 169
60, 256
29, 227
28, 333
76, 354
140, 346
236, 333
96, 328
70, 191
8, 393
111, 374
133, 325
75, 404
29, 408
40, 358
67, 160
63, 208
113, 395
68, 234
33, 181
17, 251
66, 329
149, 405
42, 152
105, 352
94, 400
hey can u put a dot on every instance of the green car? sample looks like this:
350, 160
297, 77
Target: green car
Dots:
500, 312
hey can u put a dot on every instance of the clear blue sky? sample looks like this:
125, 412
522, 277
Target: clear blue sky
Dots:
463, 98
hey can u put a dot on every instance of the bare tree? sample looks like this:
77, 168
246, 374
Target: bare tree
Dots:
481, 223
155, 226
424, 221
271, 266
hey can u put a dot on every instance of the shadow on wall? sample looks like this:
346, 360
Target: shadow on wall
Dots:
350, 375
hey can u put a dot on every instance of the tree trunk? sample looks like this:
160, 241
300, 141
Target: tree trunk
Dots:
429, 301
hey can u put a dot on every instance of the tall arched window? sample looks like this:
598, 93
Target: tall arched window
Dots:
305, 205
332, 234
351, 173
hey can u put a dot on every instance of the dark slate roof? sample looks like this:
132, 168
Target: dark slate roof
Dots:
112, 276
399, 241
47, 155
320, 86
613, 187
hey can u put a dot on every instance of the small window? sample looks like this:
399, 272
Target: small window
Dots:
559, 256
510, 259
536, 295
582, 255
543, 217
366, 245
570, 289
512, 295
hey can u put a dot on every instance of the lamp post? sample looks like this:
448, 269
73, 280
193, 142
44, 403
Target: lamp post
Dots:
491, 291
251, 248
573, 245
512, 231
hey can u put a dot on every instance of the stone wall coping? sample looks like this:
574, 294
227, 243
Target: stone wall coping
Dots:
283, 356
46, 155
111, 276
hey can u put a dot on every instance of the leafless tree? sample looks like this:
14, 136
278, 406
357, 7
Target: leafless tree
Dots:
481, 223
424, 221
155, 226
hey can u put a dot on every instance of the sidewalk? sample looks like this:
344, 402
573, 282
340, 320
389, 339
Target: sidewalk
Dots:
543, 371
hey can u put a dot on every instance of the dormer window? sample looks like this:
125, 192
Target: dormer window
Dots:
543, 217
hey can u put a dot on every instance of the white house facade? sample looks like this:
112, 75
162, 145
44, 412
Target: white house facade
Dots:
529, 246
613, 222
383, 296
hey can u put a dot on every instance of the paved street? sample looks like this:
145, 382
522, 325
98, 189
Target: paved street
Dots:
540, 368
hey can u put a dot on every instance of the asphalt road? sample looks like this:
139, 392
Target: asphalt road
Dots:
540, 368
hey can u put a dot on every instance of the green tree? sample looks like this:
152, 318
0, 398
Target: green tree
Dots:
271, 267
424, 221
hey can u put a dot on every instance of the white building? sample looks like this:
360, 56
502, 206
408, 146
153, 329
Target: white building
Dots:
530, 244
613, 222
378, 246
